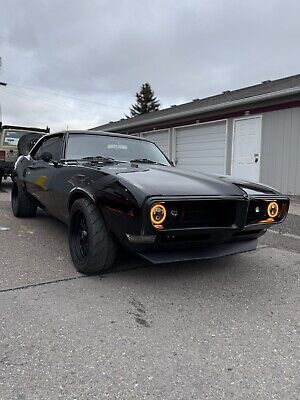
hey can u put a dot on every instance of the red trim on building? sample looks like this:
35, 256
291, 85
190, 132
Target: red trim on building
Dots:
175, 122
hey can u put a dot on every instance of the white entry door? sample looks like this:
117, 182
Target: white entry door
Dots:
246, 148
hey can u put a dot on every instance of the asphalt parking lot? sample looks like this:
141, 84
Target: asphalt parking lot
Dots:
218, 329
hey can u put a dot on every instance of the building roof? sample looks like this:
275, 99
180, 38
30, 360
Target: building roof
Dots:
266, 89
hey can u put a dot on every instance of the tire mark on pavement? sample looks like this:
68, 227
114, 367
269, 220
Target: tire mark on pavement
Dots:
31, 285
139, 313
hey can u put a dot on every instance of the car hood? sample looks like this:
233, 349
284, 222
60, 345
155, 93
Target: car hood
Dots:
159, 180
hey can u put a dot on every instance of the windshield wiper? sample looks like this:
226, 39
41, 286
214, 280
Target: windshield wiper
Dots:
100, 158
145, 161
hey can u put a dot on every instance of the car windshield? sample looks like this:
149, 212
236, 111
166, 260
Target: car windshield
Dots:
11, 138
122, 149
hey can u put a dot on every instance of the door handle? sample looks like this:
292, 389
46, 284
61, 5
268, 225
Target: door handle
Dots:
256, 157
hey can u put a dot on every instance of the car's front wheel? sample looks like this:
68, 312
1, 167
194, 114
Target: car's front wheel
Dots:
91, 246
21, 203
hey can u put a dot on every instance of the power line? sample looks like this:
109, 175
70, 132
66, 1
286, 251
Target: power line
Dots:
50, 92
43, 101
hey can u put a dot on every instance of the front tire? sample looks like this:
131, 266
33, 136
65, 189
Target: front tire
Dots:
23, 206
91, 245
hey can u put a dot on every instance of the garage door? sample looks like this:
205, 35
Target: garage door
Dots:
202, 148
160, 138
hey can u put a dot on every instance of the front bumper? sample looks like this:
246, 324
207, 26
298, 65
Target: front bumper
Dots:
192, 238
182, 243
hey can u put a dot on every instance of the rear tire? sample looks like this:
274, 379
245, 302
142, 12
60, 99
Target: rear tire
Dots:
23, 206
91, 246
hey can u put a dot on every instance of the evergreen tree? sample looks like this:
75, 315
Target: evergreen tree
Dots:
145, 101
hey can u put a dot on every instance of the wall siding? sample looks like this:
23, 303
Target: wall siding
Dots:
280, 151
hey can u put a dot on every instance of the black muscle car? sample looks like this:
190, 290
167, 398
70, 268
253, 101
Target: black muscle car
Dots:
121, 191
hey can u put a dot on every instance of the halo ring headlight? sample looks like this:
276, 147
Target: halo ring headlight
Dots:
158, 214
273, 209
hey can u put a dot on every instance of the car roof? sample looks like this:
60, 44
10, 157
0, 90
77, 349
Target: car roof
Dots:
101, 133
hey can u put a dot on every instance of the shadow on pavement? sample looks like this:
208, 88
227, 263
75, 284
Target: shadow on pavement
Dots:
5, 186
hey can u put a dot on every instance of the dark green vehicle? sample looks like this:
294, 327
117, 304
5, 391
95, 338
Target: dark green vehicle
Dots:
15, 141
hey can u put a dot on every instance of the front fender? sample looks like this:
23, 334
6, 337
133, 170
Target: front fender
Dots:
20, 167
78, 193
254, 186
121, 210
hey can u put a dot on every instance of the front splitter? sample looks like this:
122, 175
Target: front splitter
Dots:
221, 250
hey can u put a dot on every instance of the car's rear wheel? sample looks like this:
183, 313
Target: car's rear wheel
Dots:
91, 246
22, 204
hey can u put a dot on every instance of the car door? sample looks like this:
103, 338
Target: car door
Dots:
40, 175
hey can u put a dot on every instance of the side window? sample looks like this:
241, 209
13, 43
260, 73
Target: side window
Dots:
51, 145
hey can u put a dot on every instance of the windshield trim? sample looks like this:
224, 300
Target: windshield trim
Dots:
115, 136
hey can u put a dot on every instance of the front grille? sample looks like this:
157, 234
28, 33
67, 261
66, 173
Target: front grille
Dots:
201, 213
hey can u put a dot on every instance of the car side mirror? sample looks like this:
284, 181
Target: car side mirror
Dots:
47, 157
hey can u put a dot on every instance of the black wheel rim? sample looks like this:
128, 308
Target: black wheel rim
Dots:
80, 236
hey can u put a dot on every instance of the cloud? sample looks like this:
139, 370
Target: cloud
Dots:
104, 50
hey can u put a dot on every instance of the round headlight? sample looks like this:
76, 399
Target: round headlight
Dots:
158, 214
273, 209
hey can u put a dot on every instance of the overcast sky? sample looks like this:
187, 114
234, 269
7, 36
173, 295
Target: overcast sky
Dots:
103, 50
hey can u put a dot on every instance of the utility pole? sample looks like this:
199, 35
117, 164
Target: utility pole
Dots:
1, 84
